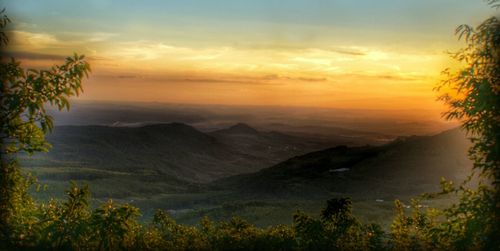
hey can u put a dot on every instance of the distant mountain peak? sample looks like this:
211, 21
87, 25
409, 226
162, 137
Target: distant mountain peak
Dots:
242, 128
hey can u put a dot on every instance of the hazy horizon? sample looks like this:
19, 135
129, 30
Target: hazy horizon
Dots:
207, 117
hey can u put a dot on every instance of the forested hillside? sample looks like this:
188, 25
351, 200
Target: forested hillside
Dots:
172, 150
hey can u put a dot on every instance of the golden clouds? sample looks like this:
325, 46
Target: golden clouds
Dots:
289, 64
33, 41
165, 71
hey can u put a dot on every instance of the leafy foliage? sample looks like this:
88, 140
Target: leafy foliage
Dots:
24, 96
475, 219
72, 225
472, 223
23, 124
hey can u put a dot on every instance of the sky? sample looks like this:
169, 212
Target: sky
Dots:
363, 54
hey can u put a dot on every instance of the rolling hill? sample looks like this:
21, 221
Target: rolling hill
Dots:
407, 166
271, 147
174, 156
176, 150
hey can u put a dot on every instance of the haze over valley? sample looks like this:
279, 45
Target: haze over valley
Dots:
261, 163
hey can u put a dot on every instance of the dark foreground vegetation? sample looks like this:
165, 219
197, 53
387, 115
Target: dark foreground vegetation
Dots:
470, 224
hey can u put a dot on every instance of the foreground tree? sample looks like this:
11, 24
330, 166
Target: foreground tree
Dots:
477, 105
472, 94
24, 95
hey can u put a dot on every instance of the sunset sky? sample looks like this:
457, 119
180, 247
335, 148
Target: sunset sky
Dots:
347, 54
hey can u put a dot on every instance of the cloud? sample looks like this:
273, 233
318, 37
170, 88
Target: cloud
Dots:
386, 76
349, 51
101, 36
272, 79
127, 76
302, 79
400, 77
33, 40
311, 79
152, 50
376, 55
237, 65
34, 56
89, 36
225, 64
39, 45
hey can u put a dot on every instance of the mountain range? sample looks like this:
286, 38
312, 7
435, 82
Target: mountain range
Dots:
175, 150
409, 165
